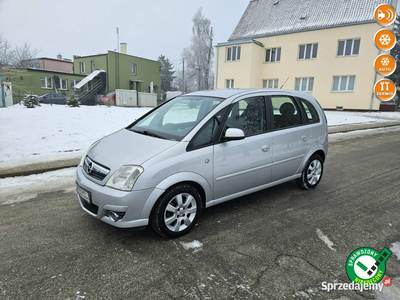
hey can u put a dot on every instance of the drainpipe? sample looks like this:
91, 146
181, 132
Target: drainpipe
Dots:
216, 69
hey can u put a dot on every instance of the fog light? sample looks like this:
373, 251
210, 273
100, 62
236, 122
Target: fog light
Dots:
113, 216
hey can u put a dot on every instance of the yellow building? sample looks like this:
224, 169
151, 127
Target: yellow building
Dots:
325, 48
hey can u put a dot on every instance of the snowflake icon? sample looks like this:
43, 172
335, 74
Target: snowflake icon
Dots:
385, 61
385, 39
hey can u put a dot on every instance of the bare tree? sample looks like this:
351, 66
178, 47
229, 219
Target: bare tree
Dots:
24, 56
198, 57
6, 53
19, 56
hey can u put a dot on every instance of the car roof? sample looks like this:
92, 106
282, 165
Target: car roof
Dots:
242, 92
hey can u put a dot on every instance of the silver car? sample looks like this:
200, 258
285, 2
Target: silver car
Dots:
199, 150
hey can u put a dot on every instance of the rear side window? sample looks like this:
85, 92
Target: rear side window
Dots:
286, 112
311, 112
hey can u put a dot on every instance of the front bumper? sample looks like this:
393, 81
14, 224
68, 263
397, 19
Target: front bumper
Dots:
130, 205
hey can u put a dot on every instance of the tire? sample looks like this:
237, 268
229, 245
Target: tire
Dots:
177, 211
312, 173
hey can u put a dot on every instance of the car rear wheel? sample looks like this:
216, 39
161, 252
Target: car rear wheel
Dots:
177, 211
312, 173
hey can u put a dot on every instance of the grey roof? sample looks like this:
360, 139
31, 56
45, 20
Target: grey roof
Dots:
235, 42
264, 18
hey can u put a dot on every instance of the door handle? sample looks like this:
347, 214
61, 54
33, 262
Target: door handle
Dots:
266, 148
304, 138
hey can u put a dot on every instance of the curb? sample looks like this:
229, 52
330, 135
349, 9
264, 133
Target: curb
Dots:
73, 162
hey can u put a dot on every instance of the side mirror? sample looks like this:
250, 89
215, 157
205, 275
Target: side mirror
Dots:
233, 134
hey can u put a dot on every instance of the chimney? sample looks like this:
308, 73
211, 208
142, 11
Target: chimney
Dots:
123, 48
59, 56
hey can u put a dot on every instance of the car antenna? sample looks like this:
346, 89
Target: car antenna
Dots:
284, 83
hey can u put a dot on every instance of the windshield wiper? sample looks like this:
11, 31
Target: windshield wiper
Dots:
149, 133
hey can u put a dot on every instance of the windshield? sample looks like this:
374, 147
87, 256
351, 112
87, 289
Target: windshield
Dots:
110, 94
176, 118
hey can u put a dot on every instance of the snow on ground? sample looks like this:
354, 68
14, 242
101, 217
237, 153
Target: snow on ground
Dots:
395, 248
337, 118
196, 245
22, 188
325, 239
52, 132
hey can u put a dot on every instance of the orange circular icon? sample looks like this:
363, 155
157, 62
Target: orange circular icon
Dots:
385, 89
385, 40
385, 64
385, 14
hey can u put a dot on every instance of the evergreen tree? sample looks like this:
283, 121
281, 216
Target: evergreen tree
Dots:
30, 100
73, 100
167, 73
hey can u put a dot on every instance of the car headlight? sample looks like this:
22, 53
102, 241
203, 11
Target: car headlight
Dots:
125, 177
87, 151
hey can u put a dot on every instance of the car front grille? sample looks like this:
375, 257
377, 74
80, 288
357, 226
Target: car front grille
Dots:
94, 169
90, 207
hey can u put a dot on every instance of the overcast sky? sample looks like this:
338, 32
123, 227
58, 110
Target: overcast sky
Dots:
87, 27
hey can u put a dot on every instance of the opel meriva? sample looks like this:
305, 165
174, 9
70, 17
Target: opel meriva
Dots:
199, 150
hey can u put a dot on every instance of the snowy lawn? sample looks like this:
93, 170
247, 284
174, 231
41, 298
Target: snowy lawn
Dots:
52, 132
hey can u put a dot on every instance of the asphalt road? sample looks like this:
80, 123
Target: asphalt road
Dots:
268, 245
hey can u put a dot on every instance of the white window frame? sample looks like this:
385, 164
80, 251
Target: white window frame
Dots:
133, 69
277, 49
229, 83
61, 84
340, 83
270, 83
75, 82
344, 48
82, 67
307, 84
229, 50
46, 86
305, 51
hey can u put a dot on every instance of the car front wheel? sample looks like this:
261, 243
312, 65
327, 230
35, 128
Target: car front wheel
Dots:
177, 211
312, 173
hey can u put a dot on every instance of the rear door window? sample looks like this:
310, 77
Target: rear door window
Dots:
286, 112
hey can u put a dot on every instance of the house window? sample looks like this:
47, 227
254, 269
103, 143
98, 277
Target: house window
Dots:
348, 47
308, 51
270, 84
305, 84
229, 83
46, 82
82, 67
74, 82
63, 84
343, 83
133, 69
273, 55
93, 65
233, 53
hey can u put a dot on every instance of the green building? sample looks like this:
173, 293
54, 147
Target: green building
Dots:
115, 70
92, 75
39, 81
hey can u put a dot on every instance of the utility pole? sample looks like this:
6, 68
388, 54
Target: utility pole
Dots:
183, 74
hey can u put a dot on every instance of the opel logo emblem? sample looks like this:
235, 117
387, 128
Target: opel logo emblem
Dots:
90, 168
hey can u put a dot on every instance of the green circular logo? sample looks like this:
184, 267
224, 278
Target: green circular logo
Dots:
366, 265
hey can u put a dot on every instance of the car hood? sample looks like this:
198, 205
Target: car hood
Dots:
126, 147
